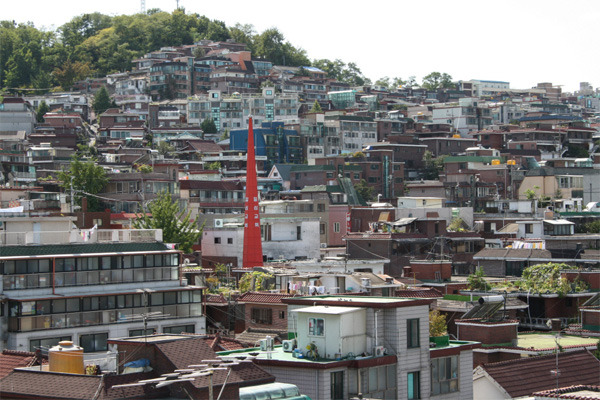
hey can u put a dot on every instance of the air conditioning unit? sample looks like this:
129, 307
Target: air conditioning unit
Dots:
378, 351
323, 245
288, 345
267, 344
218, 223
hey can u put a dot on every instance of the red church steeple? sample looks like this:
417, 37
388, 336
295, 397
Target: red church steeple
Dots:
253, 256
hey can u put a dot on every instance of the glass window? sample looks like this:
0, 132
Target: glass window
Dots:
94, 342
180, 329
138, 261
32, 266
21, 267
72, 305
9, 267
157, 299
316, 326
444, 375
59, 306
412, 333
170, 298
47, 343
414, 388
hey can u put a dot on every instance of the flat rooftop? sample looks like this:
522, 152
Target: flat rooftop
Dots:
540, 341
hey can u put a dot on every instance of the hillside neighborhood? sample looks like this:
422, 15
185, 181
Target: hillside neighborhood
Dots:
432, 241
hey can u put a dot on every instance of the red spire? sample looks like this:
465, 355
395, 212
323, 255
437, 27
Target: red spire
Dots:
252, 239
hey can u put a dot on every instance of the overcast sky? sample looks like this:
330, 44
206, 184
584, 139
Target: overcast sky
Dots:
519, 41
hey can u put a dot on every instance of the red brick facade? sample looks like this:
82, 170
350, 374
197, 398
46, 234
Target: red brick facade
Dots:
487, 332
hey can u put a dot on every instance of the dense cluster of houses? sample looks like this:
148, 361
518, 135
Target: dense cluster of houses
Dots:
376, 204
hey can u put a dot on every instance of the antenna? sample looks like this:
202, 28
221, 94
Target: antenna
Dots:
143, 7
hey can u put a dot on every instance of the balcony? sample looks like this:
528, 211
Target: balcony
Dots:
86, 278
83, 236
91, 318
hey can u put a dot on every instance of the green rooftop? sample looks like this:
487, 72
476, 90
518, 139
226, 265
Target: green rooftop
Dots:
540, 341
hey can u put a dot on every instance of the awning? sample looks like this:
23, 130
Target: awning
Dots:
384, 216
403, 221
558, 222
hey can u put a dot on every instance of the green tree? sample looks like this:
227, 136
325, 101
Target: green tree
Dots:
41, 111
255, 281
592, 227
436, 80
437, 324
546, 278
364, 190
70, 72
457, 225
208, 126
340, 71
102, 101
213, 166
316, 108
165, 148
175, 223
477, 281
87, 178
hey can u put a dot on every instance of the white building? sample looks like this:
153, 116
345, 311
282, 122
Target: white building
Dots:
17, 115
59, 283
377, 346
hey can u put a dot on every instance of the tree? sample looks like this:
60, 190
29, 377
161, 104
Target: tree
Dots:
213, 166
70, 72
165, 148
364, 190
208, 126
87, 179
546, 278
592, 227
254, 281
316, 108
457, 225
437, 324
175, 223
102, 101
433, 166
41, 111
436, 80
477, 282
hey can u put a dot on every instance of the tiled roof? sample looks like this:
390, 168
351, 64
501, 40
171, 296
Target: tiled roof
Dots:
221, 343
41, 250
251, 336
263, 297
576, 368
49, 385
11, 359
216, 299
182, 353
419, 293
577, 392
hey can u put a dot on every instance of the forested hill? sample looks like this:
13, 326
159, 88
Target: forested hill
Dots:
97, 44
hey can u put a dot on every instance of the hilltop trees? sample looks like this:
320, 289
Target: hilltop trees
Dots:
87, 179
437, 80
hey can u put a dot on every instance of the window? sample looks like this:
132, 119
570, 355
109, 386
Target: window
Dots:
217, 240
298, 233
140, 332
528, 228
180, 329
412, 333
281, 314
337, 385
336, 227
316, 326
414, 388
262, 315
93, 342
444, 375
229, 240
45, 344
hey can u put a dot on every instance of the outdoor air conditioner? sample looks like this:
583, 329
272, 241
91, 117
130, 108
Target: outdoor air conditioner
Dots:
218, 223
288, 345
266, 344
323, 245
378, 351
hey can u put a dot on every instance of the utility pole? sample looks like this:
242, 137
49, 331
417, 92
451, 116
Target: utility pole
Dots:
72, 196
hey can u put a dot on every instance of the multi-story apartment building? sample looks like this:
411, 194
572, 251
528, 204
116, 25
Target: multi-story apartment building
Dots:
16, 114
470, 114
232, 111
88, 286
378, 346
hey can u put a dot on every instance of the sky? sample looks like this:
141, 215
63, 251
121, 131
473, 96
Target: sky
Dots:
518, 41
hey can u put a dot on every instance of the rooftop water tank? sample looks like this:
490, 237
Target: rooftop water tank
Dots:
66, 357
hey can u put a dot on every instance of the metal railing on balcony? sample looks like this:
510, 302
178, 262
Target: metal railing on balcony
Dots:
81, 236
85, 278
103, 317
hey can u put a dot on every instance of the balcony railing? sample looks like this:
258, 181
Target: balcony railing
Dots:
95, 277
90, 318
81, 236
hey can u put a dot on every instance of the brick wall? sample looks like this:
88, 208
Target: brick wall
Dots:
591, 320
487, 333
276, 321
592, 277
427, 270
484, 358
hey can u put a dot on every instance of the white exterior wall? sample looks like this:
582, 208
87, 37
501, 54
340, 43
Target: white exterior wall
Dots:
315, 383
465, 383
20, 341
416, 359
538, 229
485, 389
283, 238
